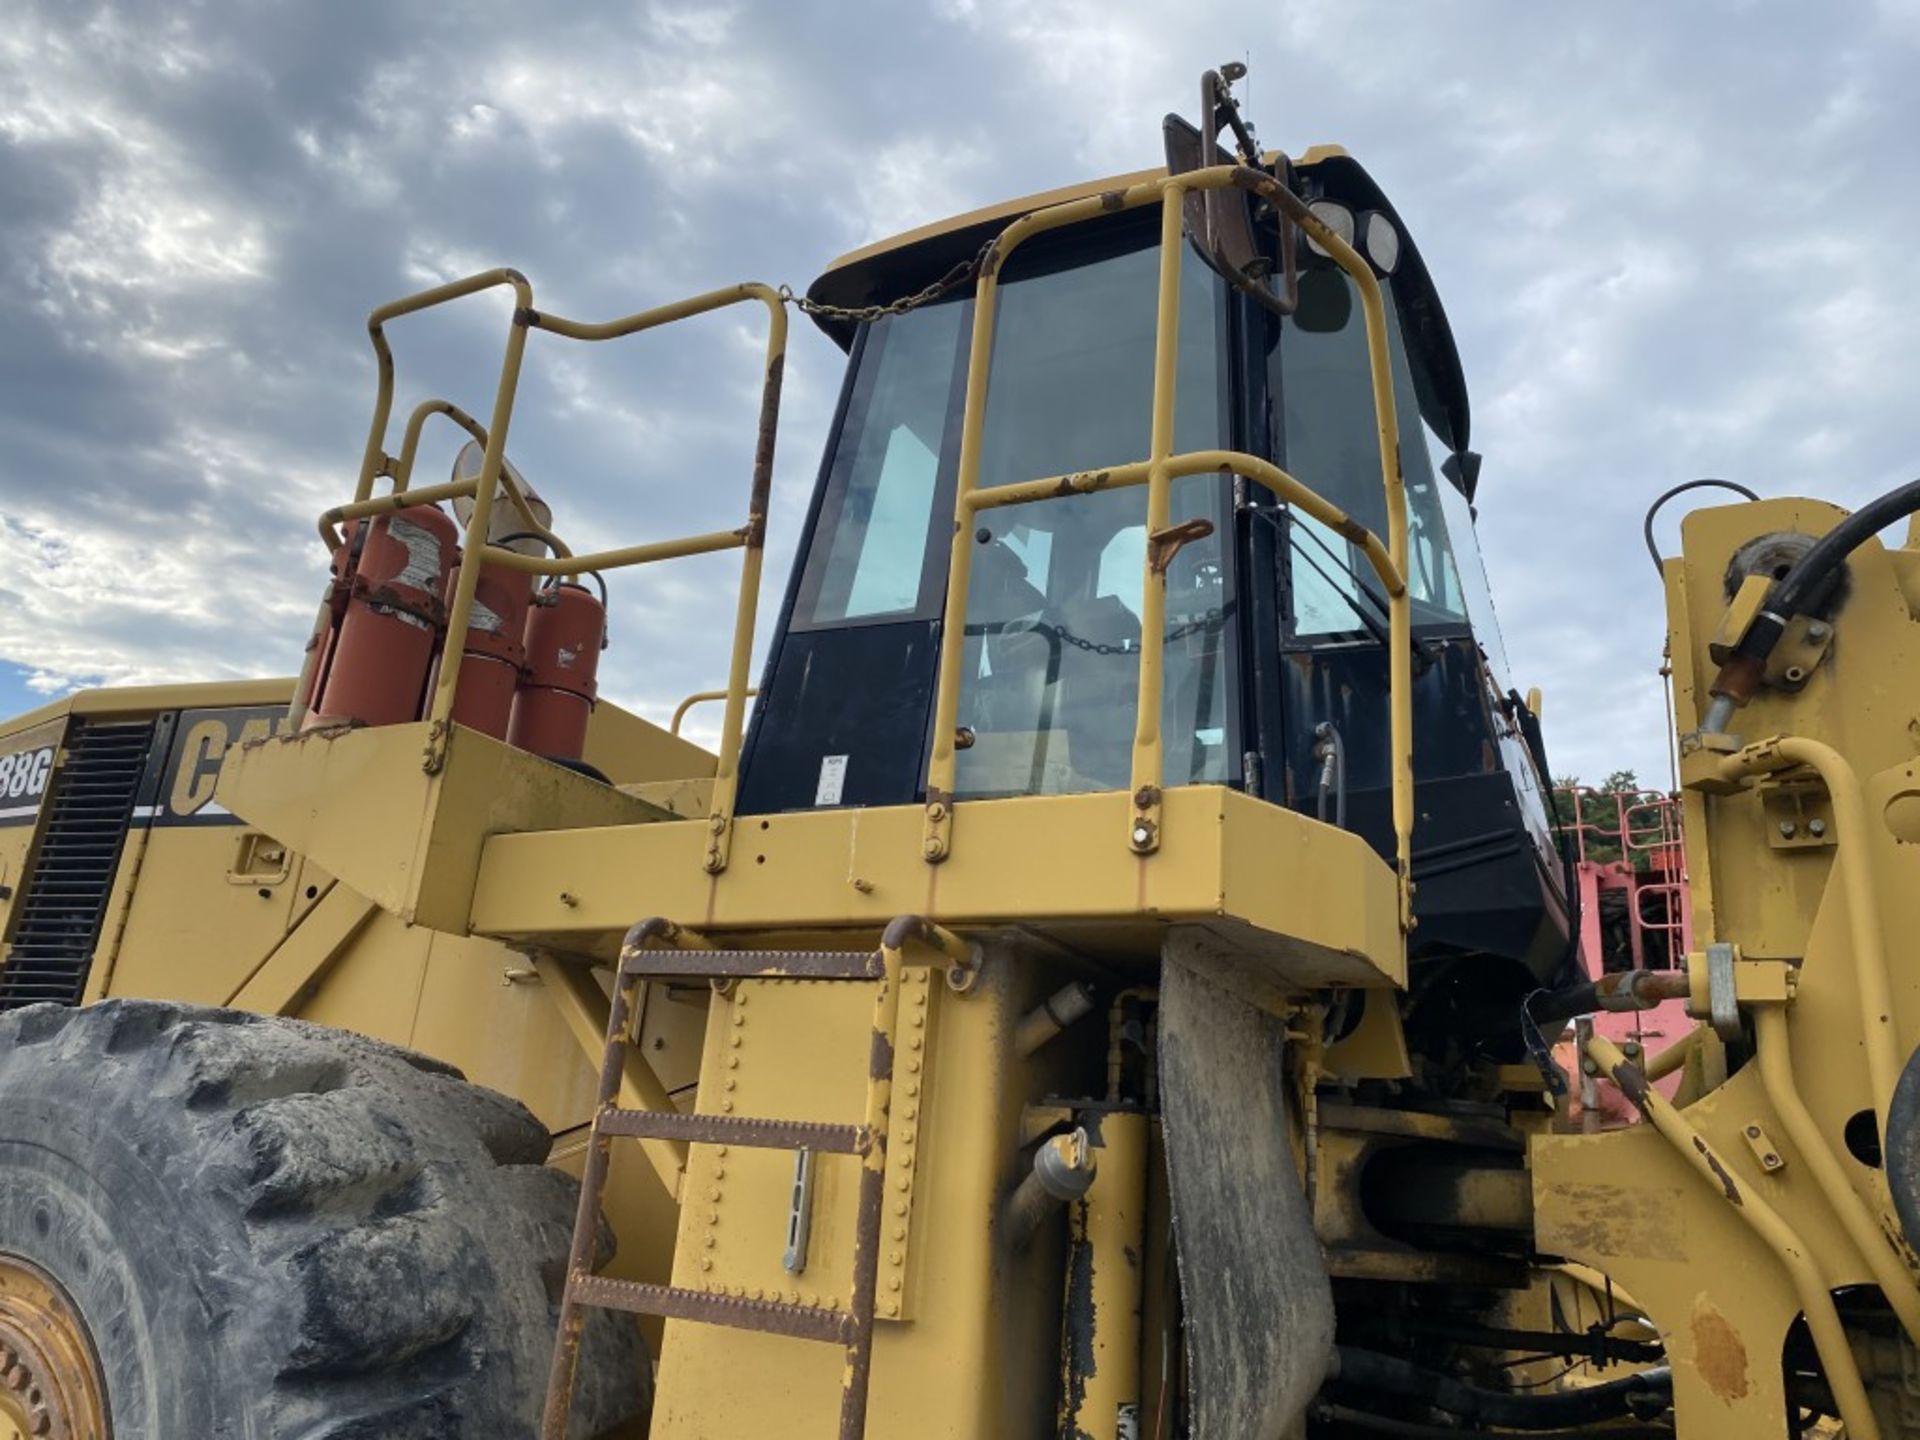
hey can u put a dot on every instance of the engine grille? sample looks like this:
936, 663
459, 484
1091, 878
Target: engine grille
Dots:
64, 899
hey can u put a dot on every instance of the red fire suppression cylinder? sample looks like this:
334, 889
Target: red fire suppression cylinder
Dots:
494, 648
377, 671
566, 630
326, 630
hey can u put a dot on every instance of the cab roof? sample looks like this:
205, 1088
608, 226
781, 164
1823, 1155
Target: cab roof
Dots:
882, 272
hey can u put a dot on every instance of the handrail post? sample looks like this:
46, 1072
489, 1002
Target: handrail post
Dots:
375, 452
726, 777
478, 523
1399, 607
416, 423
937, 839
1143, 830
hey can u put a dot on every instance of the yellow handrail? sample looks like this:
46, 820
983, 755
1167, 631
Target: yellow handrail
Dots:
476, 552
1157, 472
699, 697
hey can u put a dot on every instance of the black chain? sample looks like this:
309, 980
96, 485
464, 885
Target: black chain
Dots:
1207, 620
959, 275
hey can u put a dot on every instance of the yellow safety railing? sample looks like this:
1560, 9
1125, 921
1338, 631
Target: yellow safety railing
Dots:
699, 697
1157, 473
493, 475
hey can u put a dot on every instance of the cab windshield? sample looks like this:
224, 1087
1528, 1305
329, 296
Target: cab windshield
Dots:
1052, 646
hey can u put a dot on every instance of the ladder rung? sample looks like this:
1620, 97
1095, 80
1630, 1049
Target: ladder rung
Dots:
775, 1317
752, 964
734, 1130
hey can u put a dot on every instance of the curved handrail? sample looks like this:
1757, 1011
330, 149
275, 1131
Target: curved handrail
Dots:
750, 536
1156, 473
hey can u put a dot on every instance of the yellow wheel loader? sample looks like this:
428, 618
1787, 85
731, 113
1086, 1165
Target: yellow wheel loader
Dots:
1106, 984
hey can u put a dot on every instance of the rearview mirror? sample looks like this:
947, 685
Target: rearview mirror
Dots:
1220, 222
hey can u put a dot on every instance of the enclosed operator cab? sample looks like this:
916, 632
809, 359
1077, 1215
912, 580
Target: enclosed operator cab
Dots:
1276, 630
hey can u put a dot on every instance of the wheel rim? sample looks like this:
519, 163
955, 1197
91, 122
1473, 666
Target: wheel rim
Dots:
50, 1382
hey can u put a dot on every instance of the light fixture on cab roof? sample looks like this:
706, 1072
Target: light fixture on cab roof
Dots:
1380, 241
1336, 217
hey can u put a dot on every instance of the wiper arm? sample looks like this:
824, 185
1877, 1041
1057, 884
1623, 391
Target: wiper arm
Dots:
1359, 585
1368, 622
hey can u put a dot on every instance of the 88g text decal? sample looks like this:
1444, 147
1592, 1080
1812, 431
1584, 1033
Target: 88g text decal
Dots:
23, 778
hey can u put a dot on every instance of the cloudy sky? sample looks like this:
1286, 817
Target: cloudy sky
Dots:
1674, 240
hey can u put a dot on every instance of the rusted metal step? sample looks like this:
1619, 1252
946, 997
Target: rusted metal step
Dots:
751, 964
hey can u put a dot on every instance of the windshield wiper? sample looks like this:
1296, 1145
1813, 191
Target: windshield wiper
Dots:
1370, 623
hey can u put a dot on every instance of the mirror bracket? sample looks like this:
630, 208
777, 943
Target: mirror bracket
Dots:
1220, 221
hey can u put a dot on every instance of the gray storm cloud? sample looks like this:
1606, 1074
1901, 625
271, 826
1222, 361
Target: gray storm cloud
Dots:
1673, 241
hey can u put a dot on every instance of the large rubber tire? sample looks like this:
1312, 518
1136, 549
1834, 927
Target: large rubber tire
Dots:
278, 1231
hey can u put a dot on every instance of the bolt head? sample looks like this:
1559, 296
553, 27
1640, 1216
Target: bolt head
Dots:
1816, 828
1788, 829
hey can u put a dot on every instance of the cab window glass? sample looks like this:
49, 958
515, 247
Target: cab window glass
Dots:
878, 525
1332, 446
1052, 658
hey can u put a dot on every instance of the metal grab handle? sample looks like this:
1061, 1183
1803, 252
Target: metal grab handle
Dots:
699, 697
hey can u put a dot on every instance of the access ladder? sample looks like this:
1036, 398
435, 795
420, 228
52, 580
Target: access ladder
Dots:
852, 1328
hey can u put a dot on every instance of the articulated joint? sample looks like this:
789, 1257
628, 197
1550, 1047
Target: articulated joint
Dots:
1719, 980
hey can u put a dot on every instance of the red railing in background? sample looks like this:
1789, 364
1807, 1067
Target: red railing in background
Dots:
1636, 912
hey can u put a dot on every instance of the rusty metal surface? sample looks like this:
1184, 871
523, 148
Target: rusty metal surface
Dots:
586, 1224
734, 1130
769, 428
772, 1317
50, 1382
873, 1170
752, 964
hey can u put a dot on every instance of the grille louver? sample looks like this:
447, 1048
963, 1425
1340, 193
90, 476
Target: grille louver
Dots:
64, 900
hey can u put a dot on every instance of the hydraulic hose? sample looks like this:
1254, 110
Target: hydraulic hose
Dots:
1646, 525
1828, 552
1617, 990
1805, 588
1356, 1372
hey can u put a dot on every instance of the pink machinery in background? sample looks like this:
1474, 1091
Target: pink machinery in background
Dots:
1635, 914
